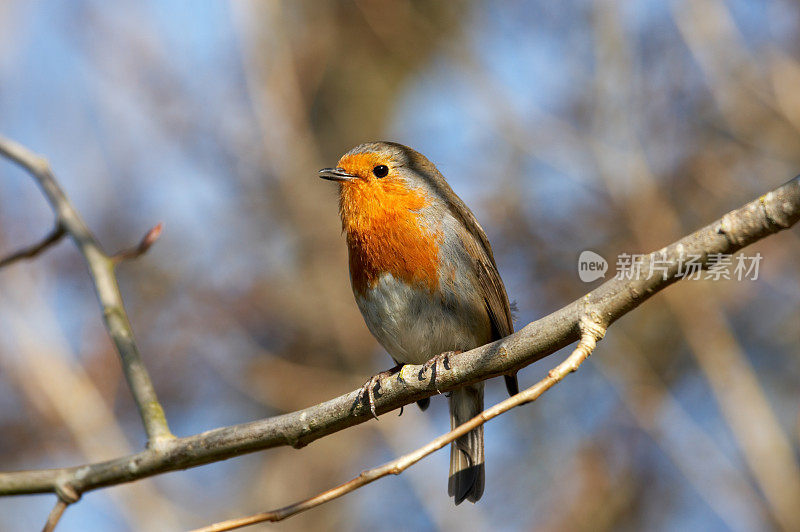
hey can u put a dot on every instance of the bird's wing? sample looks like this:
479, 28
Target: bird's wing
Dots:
489, 282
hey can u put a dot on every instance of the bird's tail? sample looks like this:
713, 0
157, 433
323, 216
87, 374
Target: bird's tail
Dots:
467, 473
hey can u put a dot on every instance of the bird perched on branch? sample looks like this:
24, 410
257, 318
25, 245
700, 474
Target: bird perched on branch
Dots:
424, 278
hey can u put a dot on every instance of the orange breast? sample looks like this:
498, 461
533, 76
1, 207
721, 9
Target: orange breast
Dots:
385, 234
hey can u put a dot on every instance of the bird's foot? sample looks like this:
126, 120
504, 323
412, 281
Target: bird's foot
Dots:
431, 364
370, 389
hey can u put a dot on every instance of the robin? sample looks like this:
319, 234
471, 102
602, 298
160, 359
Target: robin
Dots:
424, 278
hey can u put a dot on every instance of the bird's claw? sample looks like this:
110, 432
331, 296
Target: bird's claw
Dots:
444, 358
368, 392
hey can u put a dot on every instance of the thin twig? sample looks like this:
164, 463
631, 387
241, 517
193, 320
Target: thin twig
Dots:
147, 240
591, 332
55, 515
30, 252
101, 269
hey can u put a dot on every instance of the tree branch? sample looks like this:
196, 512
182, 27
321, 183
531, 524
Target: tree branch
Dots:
31, 251
591, 333
773, 212
101, 269
55, 515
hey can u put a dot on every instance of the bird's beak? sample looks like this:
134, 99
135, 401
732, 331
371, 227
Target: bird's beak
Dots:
336, 174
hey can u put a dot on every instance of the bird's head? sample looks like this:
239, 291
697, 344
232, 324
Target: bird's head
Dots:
379, 181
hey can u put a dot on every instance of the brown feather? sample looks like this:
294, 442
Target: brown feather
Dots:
477, 243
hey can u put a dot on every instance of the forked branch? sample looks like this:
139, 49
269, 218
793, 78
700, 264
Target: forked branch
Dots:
101, 269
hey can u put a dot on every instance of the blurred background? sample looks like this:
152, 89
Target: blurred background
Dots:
607, 125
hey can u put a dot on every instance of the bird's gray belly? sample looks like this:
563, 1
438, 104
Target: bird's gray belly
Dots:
414, 324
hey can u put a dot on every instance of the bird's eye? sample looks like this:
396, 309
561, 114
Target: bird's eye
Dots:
381, 170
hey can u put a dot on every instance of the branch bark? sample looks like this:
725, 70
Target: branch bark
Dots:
101, 269
772, 212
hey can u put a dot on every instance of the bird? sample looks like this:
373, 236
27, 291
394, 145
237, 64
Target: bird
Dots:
424, 278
